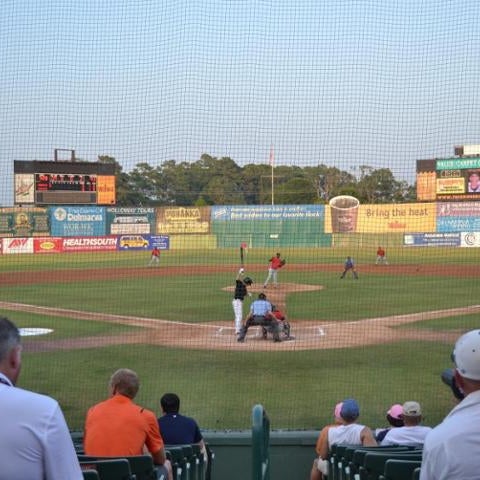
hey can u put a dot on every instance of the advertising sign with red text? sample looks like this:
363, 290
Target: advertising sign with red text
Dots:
89, 244
48, 245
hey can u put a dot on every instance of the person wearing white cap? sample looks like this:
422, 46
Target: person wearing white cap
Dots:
451, 449
412, 433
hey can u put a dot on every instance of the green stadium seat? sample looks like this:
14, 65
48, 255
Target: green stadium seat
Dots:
374, 462
180, 465
141, 466
354, 456
210, 460
90, 475
416, 474
77, 439
111, 469
399, 469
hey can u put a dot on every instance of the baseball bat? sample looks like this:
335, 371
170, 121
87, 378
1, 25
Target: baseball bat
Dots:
241, 256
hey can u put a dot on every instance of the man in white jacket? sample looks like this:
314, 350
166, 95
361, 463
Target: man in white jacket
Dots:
451, 449
35, 442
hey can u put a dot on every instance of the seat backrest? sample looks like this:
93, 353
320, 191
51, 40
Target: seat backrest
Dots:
90, 475
398, 469
180, 465
374, 462
416, 474
141, 466
111, 469
360, 452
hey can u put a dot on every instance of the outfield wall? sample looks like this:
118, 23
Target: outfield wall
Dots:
257, 226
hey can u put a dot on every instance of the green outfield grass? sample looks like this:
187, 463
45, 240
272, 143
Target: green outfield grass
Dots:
219, 388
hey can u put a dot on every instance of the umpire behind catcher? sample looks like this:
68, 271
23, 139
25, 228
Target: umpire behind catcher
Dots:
261, 314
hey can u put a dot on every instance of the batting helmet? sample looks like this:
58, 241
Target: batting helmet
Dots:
247, 281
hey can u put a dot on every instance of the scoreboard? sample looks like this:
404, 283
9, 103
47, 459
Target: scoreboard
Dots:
64, 183
449, 179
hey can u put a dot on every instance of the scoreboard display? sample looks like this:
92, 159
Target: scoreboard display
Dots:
64, 183
449, 179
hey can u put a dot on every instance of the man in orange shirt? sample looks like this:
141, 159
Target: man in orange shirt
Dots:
118, 427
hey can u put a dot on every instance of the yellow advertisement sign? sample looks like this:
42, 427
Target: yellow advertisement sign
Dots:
391, 218
426, 186
450, 185
106, 190
179, 220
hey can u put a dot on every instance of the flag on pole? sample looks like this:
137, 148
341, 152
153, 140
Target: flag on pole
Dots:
272, 159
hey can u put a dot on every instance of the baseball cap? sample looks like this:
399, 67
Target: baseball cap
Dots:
350, 409
396, 411
338, 408
466, 355
411, 409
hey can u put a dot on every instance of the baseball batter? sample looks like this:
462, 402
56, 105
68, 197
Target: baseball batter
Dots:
240, 293
276, 263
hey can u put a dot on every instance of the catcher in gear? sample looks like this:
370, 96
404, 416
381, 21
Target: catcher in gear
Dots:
284, 326
275, 264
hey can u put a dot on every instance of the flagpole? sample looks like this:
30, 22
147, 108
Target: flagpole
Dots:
272, 161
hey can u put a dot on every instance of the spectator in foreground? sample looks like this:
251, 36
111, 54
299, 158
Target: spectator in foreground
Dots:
451, 449
349, 432
117, 426
322, 443
394, 418
35, 442
412, 433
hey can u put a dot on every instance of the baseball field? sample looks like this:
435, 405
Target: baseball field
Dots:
382, 339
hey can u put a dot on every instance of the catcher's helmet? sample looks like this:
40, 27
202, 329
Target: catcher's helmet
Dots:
247, 281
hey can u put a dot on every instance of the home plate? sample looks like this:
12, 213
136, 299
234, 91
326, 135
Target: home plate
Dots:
29, 332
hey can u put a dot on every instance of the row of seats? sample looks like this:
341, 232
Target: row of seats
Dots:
354, 462
187, 461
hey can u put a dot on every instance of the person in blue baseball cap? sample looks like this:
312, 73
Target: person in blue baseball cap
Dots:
349, 432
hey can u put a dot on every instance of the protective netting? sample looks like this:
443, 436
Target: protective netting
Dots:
347, 84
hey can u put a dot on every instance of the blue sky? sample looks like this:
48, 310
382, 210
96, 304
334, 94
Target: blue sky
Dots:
345, 83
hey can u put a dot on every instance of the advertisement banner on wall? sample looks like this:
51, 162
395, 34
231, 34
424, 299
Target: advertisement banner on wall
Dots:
458, 217
431, 240
24, 222
48, 245
229, 213
133, 242
183, 220
470, 239
162, 242
17, 245
391, 218
89, 244
68, 221
121, 221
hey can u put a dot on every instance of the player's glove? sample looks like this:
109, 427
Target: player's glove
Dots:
283, 262
242, 270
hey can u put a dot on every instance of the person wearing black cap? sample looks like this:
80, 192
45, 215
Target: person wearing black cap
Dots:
451, 449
